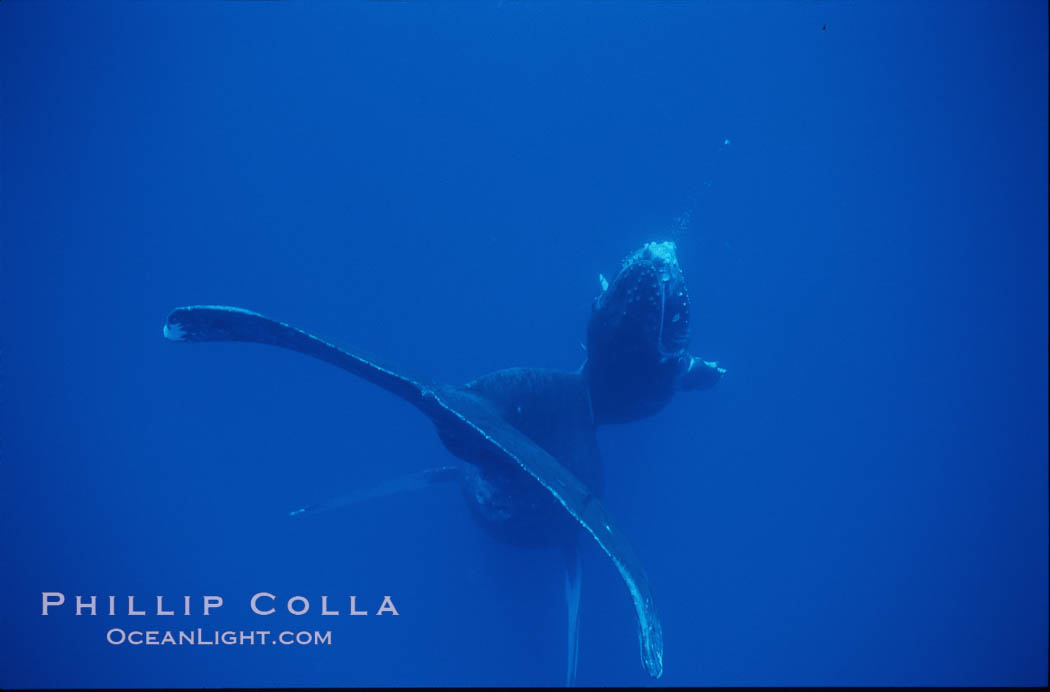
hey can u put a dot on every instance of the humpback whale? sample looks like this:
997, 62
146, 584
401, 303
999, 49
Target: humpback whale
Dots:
531, 470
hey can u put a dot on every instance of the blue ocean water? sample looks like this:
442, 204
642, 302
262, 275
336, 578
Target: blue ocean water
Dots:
858, 193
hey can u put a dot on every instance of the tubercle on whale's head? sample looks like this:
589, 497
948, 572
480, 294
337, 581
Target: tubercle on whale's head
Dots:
644, 309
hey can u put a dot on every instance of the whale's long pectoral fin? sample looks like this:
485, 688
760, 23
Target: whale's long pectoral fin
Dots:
224, 323
471, 419
414, 481
491, 431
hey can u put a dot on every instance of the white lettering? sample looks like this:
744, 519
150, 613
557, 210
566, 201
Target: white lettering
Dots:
293, 611
84, 606
212, 602
387, 607
132, 611
160, 607
255, 600
49, 600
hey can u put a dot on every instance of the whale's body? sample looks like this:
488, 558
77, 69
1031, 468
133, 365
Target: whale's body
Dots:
532, 472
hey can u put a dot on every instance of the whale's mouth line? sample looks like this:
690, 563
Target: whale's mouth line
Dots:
663, 305
664, 354
660, 272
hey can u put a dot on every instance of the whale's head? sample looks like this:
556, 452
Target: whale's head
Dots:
646, 305
638, 334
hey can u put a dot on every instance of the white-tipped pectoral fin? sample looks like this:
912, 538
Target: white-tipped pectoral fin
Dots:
415, 481
174, 331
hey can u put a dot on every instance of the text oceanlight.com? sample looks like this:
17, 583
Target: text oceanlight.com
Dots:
202, 637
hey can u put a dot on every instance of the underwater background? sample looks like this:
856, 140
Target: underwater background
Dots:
858, 193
